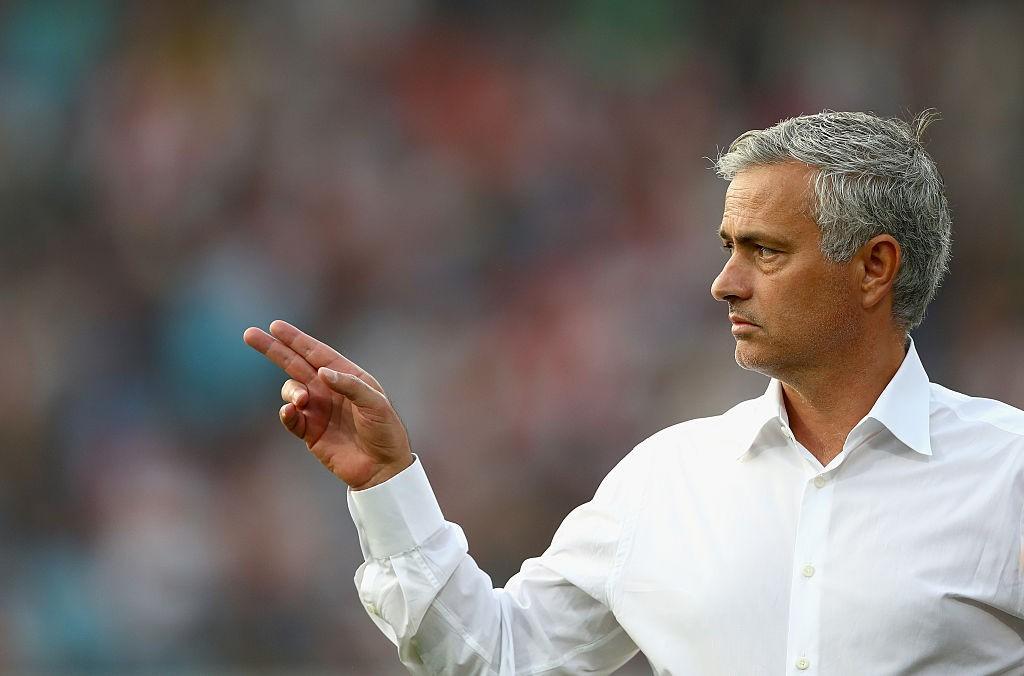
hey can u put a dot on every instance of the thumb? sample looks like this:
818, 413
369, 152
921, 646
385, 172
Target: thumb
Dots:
353, 389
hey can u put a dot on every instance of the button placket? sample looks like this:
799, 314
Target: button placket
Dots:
804, 631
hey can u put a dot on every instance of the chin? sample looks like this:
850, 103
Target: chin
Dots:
753, 358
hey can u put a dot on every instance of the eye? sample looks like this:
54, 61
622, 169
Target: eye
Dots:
765, 252
726, 247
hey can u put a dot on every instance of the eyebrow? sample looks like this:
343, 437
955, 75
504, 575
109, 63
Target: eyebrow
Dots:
753, 236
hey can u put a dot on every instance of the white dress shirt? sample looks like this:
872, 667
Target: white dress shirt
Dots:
722, 546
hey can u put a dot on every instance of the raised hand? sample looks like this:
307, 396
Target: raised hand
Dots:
337, 408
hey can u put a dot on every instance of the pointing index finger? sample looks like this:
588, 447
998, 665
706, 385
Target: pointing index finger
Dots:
317, 353
290, 362
312, 350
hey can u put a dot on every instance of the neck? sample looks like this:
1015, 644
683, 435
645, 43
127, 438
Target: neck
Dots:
824, 404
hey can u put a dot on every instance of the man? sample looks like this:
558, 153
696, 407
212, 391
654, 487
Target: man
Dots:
855, 519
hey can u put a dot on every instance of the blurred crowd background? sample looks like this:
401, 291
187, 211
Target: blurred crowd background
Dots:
503, 210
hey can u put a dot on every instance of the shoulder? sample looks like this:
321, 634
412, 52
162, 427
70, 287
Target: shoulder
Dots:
977, 414
720, 427
977, 430
699, 438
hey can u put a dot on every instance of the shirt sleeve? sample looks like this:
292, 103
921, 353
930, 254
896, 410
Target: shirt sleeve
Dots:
427, 595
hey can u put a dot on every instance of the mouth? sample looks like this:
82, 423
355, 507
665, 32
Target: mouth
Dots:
741, 326
740, 321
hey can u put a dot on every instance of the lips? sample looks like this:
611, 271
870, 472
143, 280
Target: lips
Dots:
738, 320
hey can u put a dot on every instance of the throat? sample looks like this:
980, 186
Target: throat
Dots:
825, 404
823, 446
822, 430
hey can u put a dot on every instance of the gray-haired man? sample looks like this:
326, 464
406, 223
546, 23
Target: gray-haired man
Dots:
855, 519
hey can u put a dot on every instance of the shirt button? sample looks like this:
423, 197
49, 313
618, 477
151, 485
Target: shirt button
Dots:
372, 608
819, 481
803, 663
787, 432
808, 570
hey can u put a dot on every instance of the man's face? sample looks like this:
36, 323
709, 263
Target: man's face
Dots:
792, 309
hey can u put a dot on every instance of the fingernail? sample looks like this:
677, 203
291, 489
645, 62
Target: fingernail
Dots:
328, 374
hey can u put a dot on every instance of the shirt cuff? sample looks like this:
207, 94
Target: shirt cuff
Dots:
398, 515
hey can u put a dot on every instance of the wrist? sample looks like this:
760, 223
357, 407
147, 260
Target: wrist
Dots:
386, 472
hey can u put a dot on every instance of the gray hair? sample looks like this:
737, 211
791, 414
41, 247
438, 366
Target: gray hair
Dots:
873, 177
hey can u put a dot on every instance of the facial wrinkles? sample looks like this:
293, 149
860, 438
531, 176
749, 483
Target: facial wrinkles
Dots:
801, 308
755, 204
738, 219
747, 209
755, 216
802, 303
817, 321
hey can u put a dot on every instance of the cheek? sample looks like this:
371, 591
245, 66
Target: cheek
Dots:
812, 303
827, 304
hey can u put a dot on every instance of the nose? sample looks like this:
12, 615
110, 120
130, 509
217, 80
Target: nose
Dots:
732, 282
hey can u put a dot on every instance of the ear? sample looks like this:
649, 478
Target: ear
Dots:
879, 261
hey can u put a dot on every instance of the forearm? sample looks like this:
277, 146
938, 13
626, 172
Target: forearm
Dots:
443, 618
411, 555
426, 594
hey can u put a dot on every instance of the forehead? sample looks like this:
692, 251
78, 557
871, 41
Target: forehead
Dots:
774, 196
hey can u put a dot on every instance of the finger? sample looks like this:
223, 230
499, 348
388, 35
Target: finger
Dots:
295, 392
354, 389
279, 353
293, 420
318, 353
367, 378
312, 350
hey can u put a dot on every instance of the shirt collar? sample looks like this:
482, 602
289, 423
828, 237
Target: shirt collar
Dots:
903, 408
765, 409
